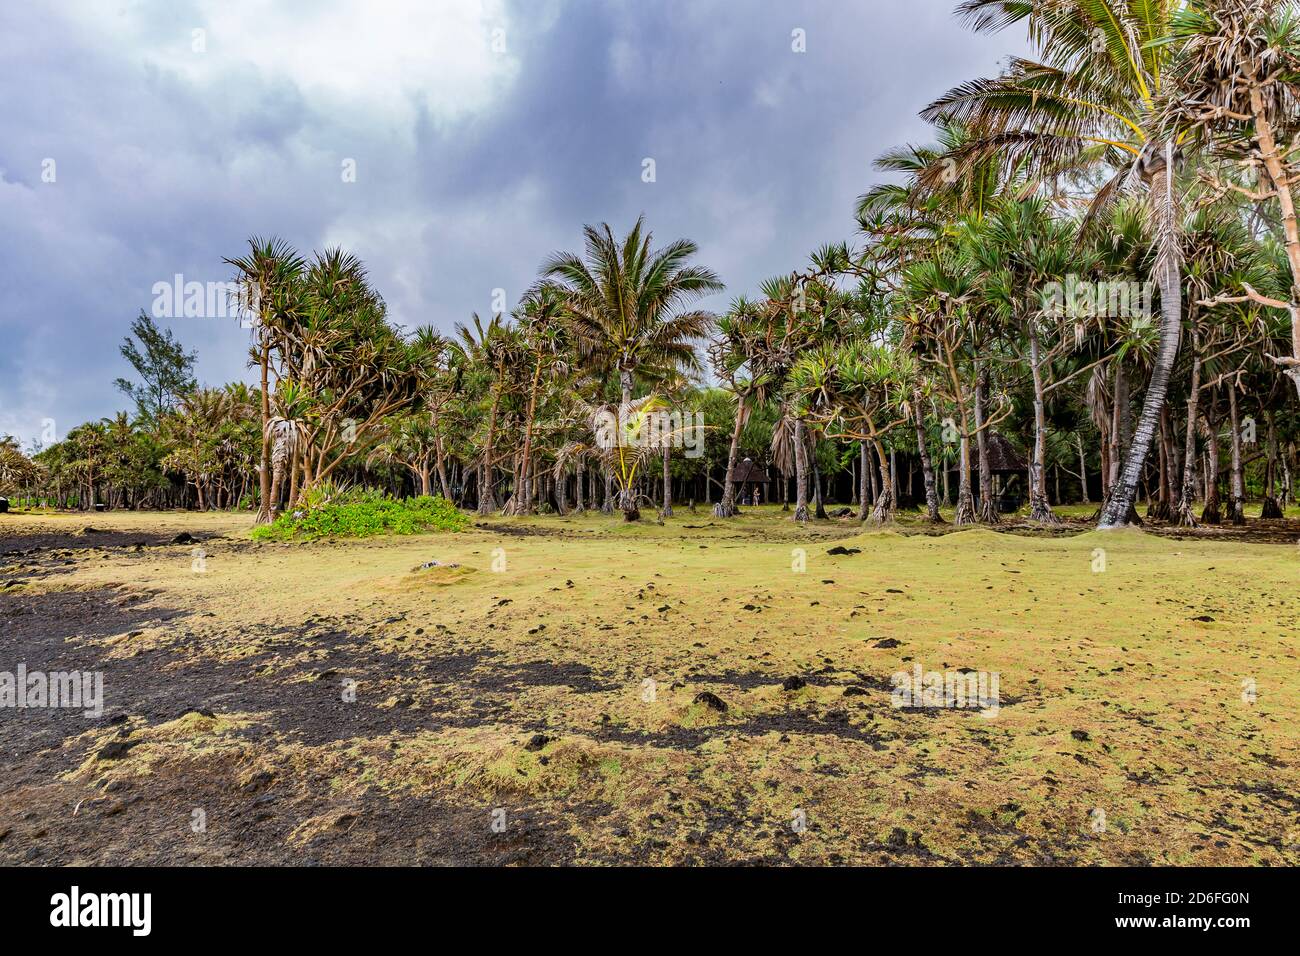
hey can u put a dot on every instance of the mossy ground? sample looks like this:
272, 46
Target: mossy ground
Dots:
1149, 692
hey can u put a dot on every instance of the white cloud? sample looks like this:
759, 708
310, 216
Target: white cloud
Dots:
367, 60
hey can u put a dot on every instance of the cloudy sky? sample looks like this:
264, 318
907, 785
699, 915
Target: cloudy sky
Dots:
452, 144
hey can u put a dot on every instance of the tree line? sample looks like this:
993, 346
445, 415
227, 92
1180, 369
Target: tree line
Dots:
1095, 263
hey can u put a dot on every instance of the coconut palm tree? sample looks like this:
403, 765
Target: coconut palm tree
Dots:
1094, 95
627, 305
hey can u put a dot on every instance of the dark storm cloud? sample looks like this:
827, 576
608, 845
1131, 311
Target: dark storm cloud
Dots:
472, 166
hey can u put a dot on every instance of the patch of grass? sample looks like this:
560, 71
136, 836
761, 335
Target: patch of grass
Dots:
364, 515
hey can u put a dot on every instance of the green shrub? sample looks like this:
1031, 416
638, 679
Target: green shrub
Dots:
361, 513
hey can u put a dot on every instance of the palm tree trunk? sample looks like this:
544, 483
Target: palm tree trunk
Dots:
1115, 514
800, 473
965, 500
1237, 512
988, 505
1187, 494
819, 506
1210, 514
1083, 467
864, 480
1039, 508
883, 512
726, 508
927, 465
264, 503
668, 481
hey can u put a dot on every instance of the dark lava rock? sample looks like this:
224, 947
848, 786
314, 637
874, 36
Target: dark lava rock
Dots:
116, 749
538, 742
888, 643
793, 683
711, 701
842, 550
258, 781
855, 691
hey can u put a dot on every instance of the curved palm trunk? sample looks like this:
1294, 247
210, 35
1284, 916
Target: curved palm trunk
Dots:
1115, 514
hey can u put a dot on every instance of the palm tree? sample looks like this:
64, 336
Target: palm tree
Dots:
541, 339
287, 431
1238, 87
626, 306
1094, 96
488, 350
268, 278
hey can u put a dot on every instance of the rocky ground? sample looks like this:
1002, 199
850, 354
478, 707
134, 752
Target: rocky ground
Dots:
552, 691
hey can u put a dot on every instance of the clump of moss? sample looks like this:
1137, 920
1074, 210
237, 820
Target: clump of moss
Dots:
363, 514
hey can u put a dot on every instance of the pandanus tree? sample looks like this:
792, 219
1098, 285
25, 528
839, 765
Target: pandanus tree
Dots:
268, 279
627, 305
736, 357
938, 291
1093, 95
1237, 88
855, 390
1024, 256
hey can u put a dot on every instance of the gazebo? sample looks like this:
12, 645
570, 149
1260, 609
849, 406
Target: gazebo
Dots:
750, 478
1004, 462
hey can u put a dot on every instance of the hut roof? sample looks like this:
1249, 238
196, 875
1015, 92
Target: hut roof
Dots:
1003, 457
749, 471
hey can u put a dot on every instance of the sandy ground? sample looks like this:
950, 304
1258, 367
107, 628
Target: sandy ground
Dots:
550, 693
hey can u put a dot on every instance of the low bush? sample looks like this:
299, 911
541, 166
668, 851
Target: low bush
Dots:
360, 514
